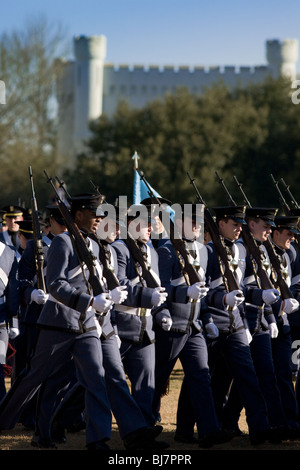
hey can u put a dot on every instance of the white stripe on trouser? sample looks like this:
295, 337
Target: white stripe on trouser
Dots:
3, 344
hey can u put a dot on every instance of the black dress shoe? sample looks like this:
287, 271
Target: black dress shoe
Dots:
277, 434
42, 443
259, 437
292, 433
214, 438
58, 434
156, 430
236, 432
141, 437
76, 427
157, 445
185, 439
100, 445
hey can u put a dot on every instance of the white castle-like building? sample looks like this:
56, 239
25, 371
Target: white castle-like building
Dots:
87, 86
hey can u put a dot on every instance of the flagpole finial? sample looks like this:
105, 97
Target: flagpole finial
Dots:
135, 158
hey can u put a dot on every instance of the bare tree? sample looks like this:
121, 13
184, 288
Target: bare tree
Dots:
27, 126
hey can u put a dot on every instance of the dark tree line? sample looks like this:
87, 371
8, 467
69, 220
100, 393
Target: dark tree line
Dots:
244, 132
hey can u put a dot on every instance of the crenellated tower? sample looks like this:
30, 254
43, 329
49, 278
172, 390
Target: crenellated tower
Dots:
90, 53
282, 57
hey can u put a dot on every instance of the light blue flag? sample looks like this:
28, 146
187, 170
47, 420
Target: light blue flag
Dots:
136, 188
140, 189
144, 191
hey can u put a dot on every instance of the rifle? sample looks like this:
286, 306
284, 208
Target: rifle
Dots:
84, 254
246, 201
252, 248
287, 188
282, 201
111, 278
275, 263
188, 268
137, 254
218, 241
288, 210
62, 185
37, 237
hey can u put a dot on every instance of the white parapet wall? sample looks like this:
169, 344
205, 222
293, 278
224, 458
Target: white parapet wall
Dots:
89, 87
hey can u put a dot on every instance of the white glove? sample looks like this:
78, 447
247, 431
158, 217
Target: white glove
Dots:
166, 323
39, 296
102, 302
273, 329
211, 330
119, 294
234, 298
270, 296
14, 329
290, 305
158, 296
197, 291
249, 336
98, 326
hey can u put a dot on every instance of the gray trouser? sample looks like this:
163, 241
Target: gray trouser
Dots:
51, 349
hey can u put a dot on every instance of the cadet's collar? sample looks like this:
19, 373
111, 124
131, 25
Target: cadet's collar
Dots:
228, 242
189, 241
278, 250
84, 234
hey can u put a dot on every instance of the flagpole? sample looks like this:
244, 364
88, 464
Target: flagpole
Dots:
135, 158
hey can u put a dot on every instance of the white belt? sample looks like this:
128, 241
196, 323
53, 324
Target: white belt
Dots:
139, 312
179, 281
3, 277
252, 305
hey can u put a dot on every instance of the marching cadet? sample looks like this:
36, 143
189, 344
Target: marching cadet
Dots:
282, 236
262, 326
158, 233
294, 317
232, 344
144, 305
25, 231
24, 234
9, 305
135, 432
12, 215
32, 300
182, 337
67, 325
